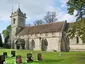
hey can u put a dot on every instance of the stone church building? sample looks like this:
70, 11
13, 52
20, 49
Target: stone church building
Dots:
46, 37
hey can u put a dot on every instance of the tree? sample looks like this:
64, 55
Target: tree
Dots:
6, 33
1, 44
38, 22
50, 17
79, 6
78, 28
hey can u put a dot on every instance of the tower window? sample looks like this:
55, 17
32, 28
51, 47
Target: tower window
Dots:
21, 21
14, 21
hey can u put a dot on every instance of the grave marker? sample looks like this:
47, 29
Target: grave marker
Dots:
12, 53
29, 57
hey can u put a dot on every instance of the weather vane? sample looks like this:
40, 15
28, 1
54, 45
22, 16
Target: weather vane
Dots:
18, 5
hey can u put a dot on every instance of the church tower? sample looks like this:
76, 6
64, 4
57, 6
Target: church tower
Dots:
17, 24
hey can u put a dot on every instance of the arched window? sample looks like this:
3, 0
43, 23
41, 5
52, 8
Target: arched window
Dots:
14, 21
33, 43
22, 43
77, 40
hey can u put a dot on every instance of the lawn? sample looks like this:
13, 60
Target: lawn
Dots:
48, 57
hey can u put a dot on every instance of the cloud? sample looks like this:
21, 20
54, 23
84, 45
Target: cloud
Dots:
69, 18
62, 15
34, 9
63, 3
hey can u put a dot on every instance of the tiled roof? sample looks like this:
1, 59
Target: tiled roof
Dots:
45, 28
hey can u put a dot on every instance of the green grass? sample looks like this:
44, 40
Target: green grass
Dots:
48, 57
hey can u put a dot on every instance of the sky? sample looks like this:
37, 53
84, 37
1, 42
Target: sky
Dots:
34, 9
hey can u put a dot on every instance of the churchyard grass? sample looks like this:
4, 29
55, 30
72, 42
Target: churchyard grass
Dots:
48, 57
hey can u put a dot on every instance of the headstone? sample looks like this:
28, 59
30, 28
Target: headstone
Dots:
5, 54
39, 56
60, 54
2, 59
18, 59
29, 57
12, 53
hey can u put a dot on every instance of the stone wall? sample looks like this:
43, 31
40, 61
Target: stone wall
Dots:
74, 46
52, 39
77, 47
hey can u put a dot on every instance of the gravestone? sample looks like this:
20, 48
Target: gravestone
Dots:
12, 53
29, 57
60, 54
5, 54
2, 59
18, 59
39, 56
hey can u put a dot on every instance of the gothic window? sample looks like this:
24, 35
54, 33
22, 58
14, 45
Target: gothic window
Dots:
77, 40
33, 43
22, 41
21, 20
14, 21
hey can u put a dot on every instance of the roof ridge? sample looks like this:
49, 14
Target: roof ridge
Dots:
52, 27
45, 24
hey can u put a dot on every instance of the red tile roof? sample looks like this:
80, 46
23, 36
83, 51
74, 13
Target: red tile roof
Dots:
45, 28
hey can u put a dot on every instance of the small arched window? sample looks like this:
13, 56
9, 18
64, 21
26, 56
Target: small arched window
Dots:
14, 21
77, 40
33, 43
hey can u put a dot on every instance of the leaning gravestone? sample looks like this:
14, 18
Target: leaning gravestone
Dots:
29, 57
5, 54
13, 54
2, 59
39, 56
18, 59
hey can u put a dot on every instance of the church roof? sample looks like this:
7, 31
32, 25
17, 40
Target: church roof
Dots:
45, 28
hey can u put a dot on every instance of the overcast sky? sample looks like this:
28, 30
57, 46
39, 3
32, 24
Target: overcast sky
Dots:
34, 9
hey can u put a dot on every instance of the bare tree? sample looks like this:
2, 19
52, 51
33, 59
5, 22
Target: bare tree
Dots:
38, 22
50, 17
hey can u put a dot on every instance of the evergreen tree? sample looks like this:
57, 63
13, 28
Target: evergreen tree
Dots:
1, 44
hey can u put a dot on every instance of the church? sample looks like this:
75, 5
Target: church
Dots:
46, 37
